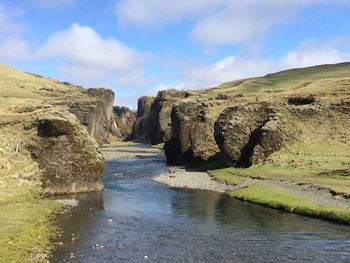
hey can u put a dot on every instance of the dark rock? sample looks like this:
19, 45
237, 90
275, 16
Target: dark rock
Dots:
144, 125
247, 135
97, 114
125, 120
192, 135
157, 111
301, 100
67, 155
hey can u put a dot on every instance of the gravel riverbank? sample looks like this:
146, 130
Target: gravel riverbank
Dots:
181, 178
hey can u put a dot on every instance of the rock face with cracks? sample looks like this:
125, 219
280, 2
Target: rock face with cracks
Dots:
77, 165
144, 125
125, 120
192, 137
97, 114
248, 134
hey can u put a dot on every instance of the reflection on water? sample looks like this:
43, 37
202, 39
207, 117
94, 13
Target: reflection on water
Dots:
136, 217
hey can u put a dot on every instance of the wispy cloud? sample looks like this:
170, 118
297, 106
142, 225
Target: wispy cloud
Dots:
215, 21
194, 75
159, 13
12, 45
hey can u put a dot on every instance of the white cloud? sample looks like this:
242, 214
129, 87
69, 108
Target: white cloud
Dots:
90, 59
216, 21
314, 53
160, 12
12, 49
12, 45
244, 20
197, 76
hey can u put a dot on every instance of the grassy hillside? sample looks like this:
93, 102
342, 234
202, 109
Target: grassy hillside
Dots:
24, 221
317, 151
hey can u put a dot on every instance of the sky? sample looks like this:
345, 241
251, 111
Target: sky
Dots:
138, 47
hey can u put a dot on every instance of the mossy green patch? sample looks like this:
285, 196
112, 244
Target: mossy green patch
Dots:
138, 150
227, 176
337, 183
276, 198
25, 228
121, 144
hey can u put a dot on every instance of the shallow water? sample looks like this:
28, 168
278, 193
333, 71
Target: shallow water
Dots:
136, 218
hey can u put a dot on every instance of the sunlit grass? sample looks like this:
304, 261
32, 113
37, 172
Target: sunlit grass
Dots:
275, 198
25, 229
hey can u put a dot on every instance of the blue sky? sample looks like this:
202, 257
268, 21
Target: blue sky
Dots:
137, 47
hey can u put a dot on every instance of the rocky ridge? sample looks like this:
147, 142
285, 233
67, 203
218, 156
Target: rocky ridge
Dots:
247, 121
53, 130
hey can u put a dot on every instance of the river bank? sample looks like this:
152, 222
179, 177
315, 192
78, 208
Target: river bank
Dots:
136, 219
290, 196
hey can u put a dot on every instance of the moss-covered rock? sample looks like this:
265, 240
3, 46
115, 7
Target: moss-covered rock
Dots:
67, 155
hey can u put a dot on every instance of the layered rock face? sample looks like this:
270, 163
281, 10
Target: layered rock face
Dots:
144, 126
67, 156
97, 114
161, 112
125, 120
248, 120
192, 137
53, 130
248, 134
153, 122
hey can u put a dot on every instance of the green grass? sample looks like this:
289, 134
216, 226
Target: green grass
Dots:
227, 176
25, 229
275, 198
121, 144
337, 183
138, 150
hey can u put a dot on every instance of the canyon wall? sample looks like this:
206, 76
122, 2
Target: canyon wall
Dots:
245, 122
53, 131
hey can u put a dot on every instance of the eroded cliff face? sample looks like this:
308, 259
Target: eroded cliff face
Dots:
161, 112
144, 127
97, 114
249, 122
125, 120
52, 130
68, 156
249, 134
192, 138
153, 124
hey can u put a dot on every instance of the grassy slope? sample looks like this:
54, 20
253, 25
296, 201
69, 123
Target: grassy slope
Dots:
275, 198
25, 229
24, 219
321, 154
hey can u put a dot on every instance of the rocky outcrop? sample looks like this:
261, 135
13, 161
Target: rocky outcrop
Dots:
157, 112
161, 112
144, 126
67, 156
248, 134
96, 114
192, 135
125, 120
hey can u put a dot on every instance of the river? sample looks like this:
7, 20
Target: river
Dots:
138, 220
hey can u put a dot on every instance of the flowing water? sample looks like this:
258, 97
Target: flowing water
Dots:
138, 220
